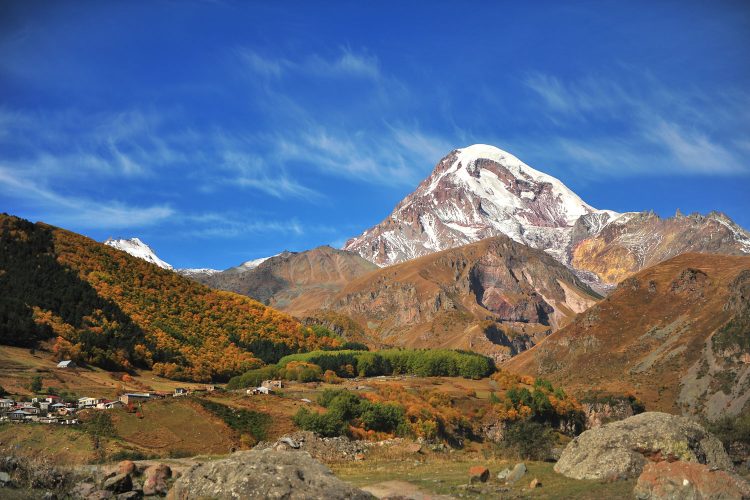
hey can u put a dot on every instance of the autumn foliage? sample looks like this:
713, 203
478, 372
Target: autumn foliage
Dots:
110, 309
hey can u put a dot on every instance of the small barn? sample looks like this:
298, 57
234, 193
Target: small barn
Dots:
67, 364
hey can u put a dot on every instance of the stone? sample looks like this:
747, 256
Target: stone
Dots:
517, 473
126, 467
264, 474
479, 474
688, 480
119, 483
413, 448
291, 443
4, 478
156, 479
503, 474
535, 483
620, 450
130, 495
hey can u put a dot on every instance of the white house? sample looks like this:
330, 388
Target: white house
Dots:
66, 364
88, 402
6, 404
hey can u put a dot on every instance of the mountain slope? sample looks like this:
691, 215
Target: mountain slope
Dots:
117, 311
137, 248
635, 241
475, 193
676, 334
481, 191
294, 282
496, 296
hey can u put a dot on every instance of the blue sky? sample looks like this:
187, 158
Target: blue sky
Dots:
221, 131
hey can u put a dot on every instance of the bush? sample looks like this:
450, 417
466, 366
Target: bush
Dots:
327, 424
382, 417
35, 385
528, 440
731, 429
253, 378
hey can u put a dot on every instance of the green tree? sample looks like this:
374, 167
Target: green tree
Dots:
35, 385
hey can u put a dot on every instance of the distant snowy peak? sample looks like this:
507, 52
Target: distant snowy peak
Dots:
475, 193
194, 273
137, 248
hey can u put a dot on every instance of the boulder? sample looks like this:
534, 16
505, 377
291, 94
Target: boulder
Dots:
4, 479
156, 479
689, 481
503, 475
263, 474
119, 483
479, 474
620, 450
126, 467
535, 483
517, 473
130, 495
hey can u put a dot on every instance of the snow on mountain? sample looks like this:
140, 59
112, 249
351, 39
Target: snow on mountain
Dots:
137, 248
475, 193
192, 273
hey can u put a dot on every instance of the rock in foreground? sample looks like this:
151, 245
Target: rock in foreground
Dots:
263, 474
686, 480
621, 450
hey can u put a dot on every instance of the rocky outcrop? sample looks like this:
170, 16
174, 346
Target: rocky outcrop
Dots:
621, 450
263, 474
689, 481
326, 449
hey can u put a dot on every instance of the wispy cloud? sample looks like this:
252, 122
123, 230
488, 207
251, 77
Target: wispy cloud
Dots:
347, 64
653, 130
79, 211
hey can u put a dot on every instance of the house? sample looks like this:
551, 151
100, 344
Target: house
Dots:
88, 402
6, 404
58, 408
134, 397
114, 404
67, 364
259, 390
210, 388
43, 406
53, 399
272, 384
18, 415
180, 391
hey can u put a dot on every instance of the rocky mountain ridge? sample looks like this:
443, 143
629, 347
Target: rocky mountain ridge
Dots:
481, 191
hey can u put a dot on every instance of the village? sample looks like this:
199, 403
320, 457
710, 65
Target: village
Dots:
53, 409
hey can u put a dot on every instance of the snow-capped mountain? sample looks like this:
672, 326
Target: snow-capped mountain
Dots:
481, 191
197, 272
475, 193
137, 248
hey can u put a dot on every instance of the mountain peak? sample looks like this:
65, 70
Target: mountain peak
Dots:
474, 193
137, 248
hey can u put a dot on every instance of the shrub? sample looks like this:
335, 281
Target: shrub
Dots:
301, 371
382, 417
528, 440
327, 424
35, 385
253, 378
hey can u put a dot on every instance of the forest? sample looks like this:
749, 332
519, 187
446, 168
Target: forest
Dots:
101, 306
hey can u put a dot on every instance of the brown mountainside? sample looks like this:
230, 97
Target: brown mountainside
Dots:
676, 334
295, 282
495, 296
635, 241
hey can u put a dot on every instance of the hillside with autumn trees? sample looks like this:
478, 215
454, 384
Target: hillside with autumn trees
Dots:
101, 306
